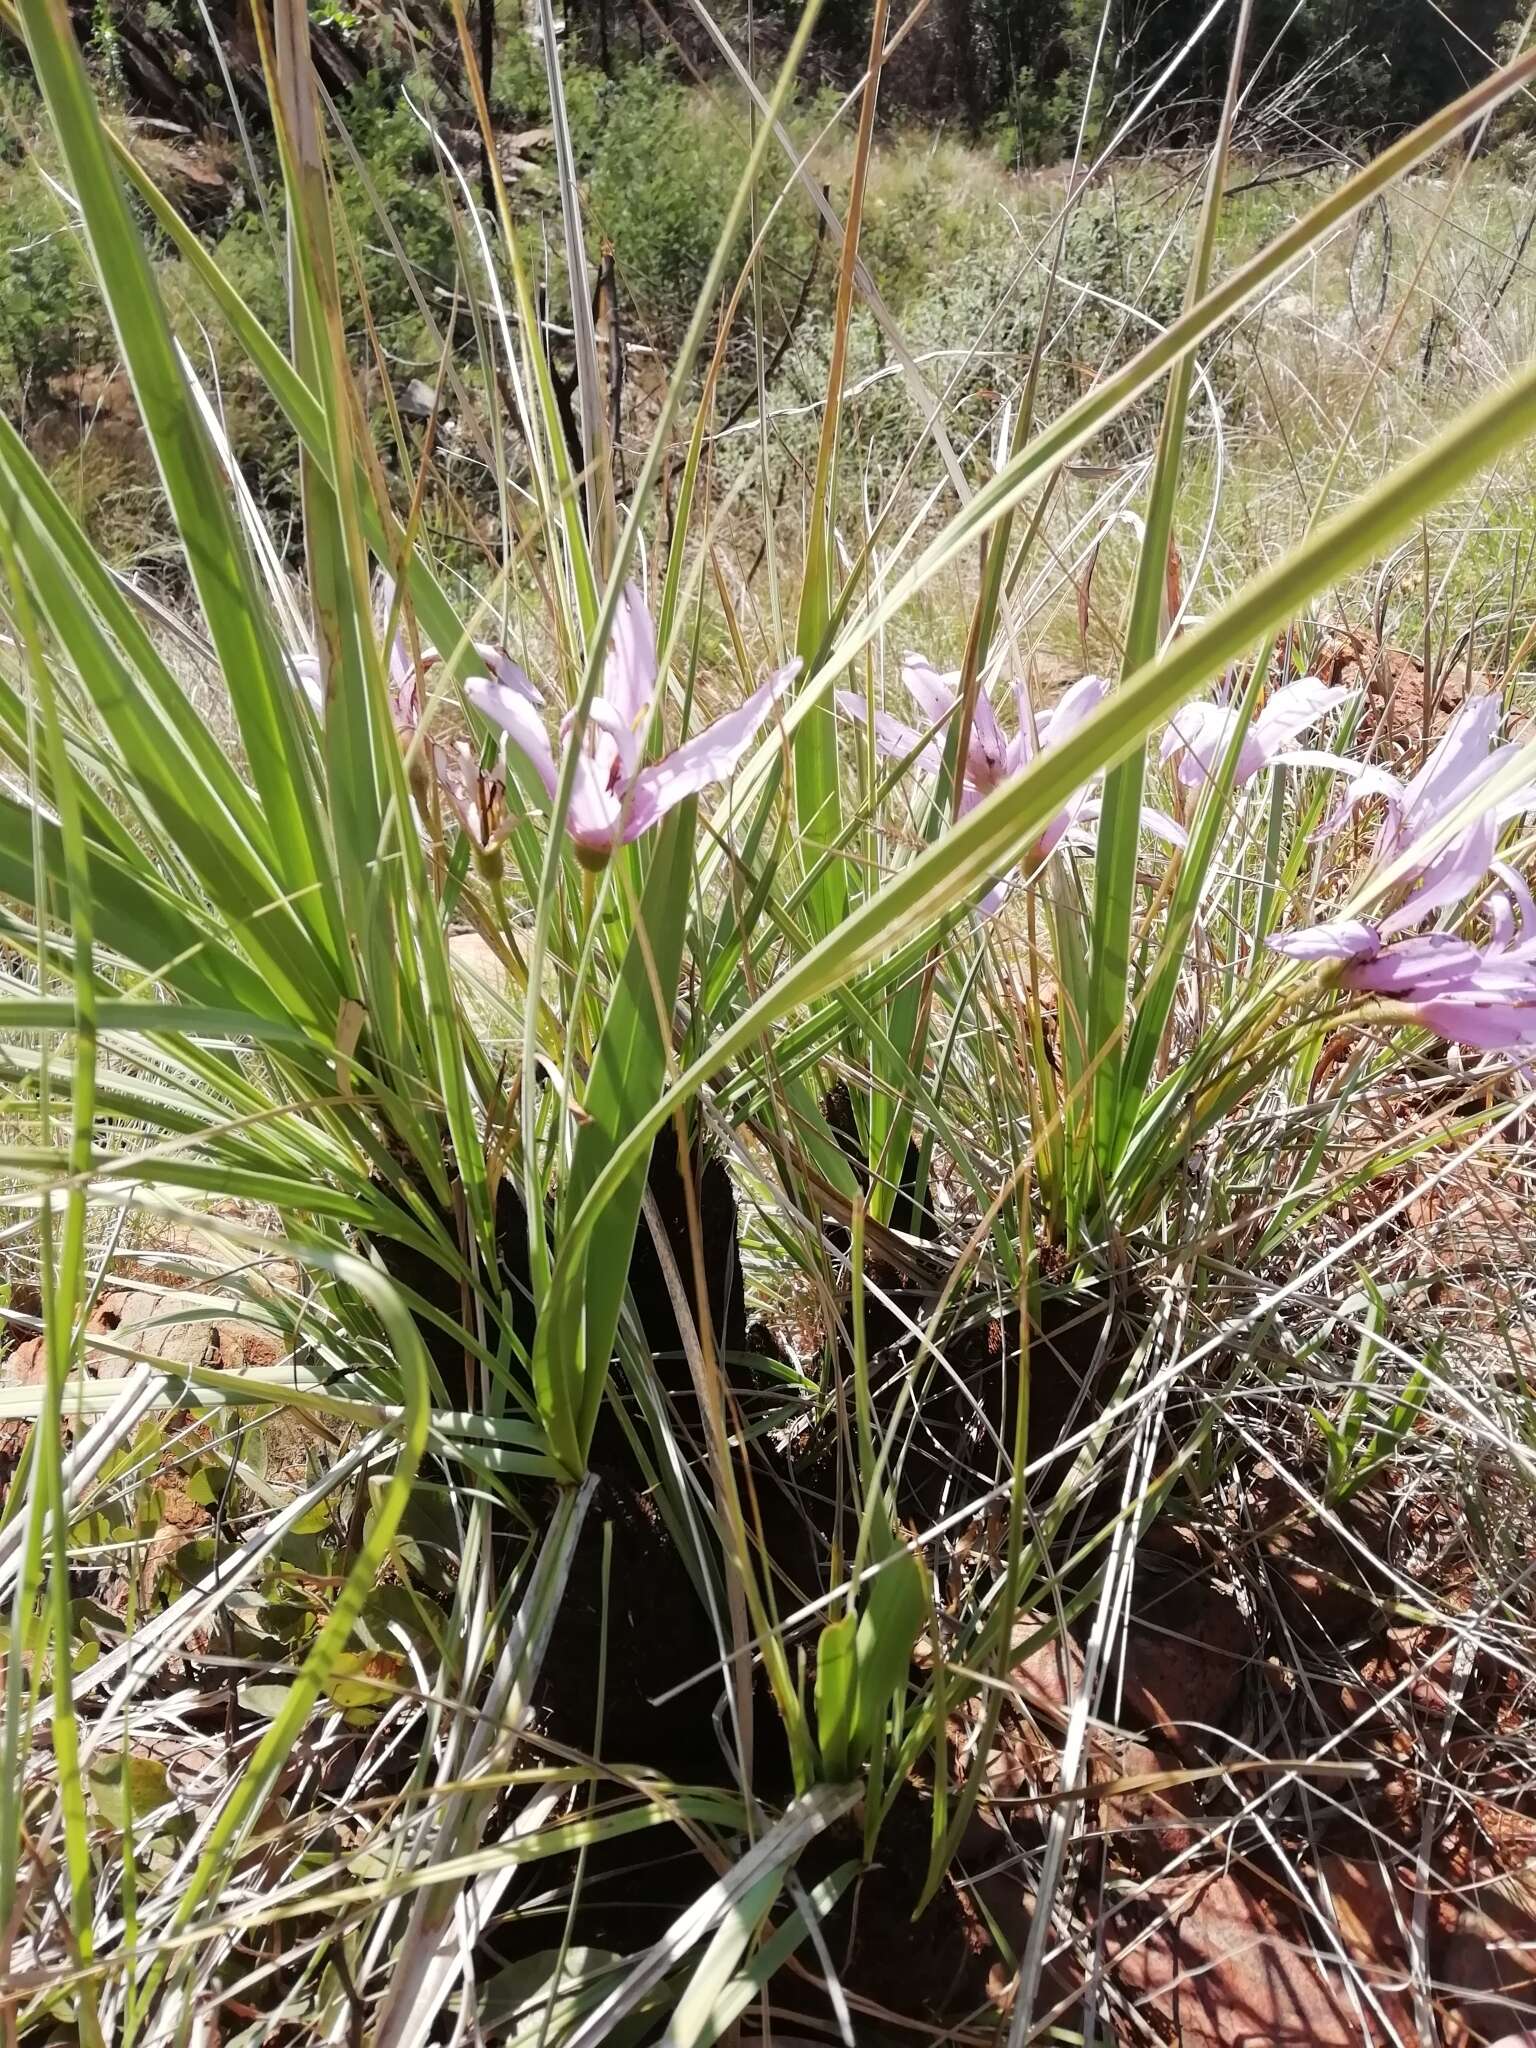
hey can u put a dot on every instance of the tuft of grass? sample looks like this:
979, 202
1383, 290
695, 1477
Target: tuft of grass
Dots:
574, 1396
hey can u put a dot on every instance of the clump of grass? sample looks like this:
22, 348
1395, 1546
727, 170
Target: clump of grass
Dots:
584, 1655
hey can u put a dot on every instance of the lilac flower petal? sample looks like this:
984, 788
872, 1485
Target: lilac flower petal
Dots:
1417, 819
399, 664
401, 669
615, 749
519, 721
1074, 705
1501, 921
1346, 938
1520, 896
1082, 813
1460, 753
1200, 736
502, 669
986, 758
1191, 723
1432, 961
933, 694
471, 792
894, 740
452, 769
405, 704
1314, 757
1066, 823
1486, 1019
457, 777
1453, 873
710, 756
629, 667
1057, 829
1161, 826
1364, 783
1294, 709
597, 818
1086, 808
994, 899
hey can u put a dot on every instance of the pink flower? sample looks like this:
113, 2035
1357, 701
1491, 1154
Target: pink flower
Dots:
476, 795
402, 673
1452, 776
614, 797
1197, 739
1484, 998
990, 757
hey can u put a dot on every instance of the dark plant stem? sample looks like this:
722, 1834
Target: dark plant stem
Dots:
486, 59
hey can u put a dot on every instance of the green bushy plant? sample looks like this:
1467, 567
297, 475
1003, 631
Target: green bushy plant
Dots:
662, 162
400, 166
50, 314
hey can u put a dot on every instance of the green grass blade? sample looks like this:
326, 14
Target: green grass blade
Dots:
65, 1294
270, 715
1119, 837
628, 1073
149, 926
817, 780
1155, 998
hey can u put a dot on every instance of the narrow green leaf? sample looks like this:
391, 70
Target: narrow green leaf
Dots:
148, 925
1115, 859
270, 714
629, 1071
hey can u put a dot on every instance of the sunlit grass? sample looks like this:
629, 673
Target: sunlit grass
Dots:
1076, 1238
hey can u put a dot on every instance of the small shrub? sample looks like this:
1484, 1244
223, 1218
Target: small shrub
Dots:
662, 164
50, 314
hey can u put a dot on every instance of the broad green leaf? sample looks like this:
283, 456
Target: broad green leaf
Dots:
127, 1787
893, 1606
836, 1696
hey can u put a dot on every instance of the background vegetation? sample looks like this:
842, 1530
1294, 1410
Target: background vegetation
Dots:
892, 1400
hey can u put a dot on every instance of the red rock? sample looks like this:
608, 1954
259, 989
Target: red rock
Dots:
1187, 1652
1227, 1970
